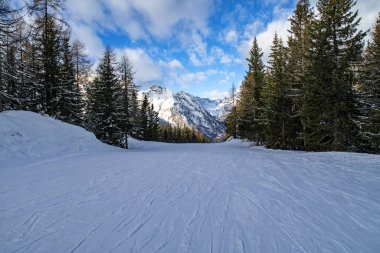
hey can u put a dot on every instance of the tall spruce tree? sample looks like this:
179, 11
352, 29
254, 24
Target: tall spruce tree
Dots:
48, 26
133, 105
153, 124
126, 79
31, 78
329, 105
9, 40
232, 116
70, 102
250, 107
245, 108
299, 43
371, 92
104, 95
277, 103
82, 64
142, 130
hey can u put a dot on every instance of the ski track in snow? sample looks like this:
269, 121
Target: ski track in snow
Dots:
227, 197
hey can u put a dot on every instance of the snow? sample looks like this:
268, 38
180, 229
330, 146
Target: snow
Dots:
156, 197
29, 135
217, 108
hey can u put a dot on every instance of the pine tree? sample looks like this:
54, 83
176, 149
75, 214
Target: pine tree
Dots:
34, 89
82, 64
10, 78
48, 26
9, 84
126, 79
133, 105
250, 107
102, 111
70, 103
329, 105
299, 43
143, 131
371, 92
245, 113
232, 116
153, 124
277, 104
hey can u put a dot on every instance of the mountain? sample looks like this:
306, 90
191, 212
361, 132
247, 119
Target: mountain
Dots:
184, 109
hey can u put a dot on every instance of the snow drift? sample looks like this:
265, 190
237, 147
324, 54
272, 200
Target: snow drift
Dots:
28, 134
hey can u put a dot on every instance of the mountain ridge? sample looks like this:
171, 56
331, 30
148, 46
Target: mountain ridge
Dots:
184, 109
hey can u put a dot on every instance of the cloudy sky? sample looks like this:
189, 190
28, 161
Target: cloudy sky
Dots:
198, 46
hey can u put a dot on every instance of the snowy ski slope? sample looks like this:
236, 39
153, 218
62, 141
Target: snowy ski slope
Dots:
228, 197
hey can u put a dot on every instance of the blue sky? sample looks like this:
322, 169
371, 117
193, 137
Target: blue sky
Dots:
198, 46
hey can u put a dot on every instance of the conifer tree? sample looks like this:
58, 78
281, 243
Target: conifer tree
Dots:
133, 105
126, 80
82, 64
31, 80
299, 44
70, 103
48, 26
142, 131
371, 92
232, 117
153, 124
102, 112
329, 105
277, 104
250, 107
244, 108
9, 83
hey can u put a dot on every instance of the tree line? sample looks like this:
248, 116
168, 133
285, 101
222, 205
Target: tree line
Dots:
43, 70
320, 92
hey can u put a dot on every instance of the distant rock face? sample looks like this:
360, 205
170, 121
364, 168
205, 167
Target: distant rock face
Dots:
184, 109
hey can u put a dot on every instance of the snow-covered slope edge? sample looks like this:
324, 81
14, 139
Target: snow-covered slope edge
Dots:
27, 134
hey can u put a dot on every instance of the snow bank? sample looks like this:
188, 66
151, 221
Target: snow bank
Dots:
239, 142
28, 134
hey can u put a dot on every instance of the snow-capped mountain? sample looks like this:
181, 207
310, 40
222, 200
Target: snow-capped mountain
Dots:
184, 109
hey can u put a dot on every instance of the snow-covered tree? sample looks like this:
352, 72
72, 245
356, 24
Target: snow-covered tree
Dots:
104, 96
371, 92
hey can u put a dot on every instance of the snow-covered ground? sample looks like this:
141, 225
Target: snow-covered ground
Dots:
228, 197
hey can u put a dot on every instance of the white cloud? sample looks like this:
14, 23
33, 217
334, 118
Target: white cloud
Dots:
145, 69
161, 15
194, 60
219, 54
280, 24
197, 50
86, 34
190, 78
228, 79
175, 64
215, 94
137, 18
231, 36
251, 29
172, 65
